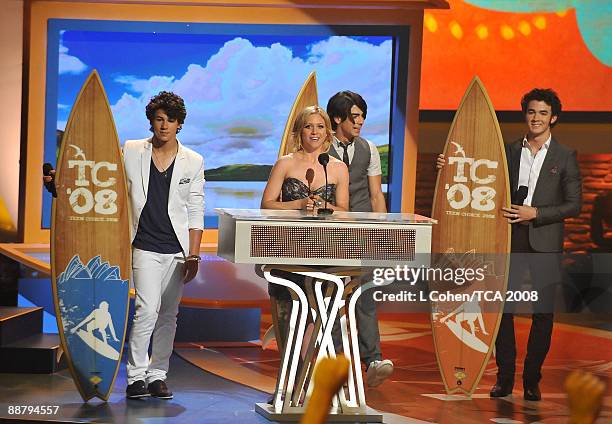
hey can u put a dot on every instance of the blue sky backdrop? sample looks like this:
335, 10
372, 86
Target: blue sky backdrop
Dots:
238, 89
238, 82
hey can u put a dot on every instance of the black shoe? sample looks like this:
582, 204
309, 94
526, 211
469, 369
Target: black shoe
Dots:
159, 390
532, 393
137, 390
501, 389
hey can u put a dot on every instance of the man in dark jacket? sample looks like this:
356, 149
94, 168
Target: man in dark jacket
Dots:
547, 188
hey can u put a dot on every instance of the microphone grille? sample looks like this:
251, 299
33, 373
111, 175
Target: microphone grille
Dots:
323, 159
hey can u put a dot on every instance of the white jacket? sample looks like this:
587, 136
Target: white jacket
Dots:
186, 196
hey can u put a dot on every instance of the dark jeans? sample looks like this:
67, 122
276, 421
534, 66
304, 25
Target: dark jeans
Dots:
544, 272
368, 336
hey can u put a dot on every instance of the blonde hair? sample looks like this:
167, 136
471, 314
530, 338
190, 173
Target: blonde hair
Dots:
300, 121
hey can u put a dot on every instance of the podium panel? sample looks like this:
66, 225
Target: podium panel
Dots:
323, 254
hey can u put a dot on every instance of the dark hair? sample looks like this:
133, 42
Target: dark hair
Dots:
545, 95
339, 106
171, 103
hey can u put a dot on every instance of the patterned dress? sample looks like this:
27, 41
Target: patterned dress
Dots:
294, 189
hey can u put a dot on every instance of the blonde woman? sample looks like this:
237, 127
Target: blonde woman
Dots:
288, 186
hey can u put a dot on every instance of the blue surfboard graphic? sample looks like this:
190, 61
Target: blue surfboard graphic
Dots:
92, 300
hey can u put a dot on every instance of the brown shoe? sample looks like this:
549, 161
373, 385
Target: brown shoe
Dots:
159, 390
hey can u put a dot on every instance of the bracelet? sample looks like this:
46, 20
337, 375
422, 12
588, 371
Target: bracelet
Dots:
193, 258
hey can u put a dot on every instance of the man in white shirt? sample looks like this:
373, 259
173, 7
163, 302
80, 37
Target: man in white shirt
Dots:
547, 188
166, 189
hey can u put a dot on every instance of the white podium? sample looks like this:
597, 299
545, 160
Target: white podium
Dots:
325, 253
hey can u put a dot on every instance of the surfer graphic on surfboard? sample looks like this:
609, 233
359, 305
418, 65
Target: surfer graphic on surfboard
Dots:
469, 312
99, 319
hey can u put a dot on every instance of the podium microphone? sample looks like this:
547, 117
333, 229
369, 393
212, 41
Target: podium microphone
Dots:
324, 160
50, 186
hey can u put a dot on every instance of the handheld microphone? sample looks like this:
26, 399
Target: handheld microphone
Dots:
324, 160
520, 195
50, 186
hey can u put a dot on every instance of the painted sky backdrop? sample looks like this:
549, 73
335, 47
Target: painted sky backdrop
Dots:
514, 46
238, 88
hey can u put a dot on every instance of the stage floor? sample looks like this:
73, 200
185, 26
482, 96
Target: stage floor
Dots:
222, 384
200, 397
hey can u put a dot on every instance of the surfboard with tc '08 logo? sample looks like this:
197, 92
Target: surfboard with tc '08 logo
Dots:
470, 244
90, 244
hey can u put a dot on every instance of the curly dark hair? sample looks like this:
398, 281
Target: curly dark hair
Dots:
339, 106
545, 95
171, 103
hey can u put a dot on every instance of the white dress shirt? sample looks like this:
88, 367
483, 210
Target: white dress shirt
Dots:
530, 167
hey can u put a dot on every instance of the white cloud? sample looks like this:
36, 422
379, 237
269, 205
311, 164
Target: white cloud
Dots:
130, 119
150, 86
69, 64
242, 95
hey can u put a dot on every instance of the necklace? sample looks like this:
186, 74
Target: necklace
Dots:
164, 169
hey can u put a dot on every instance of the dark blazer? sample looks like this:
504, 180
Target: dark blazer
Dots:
557, 195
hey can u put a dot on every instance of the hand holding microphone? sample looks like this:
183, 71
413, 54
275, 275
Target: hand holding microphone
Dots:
313, 203
520, 195
518, 212
49, 179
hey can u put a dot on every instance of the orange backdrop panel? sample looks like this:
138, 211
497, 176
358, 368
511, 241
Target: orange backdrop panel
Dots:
511, 53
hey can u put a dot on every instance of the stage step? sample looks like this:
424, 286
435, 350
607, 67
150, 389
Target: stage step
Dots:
37, 354
19, 323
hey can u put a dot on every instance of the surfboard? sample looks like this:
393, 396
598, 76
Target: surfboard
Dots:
307, 96
471, 234
90, 244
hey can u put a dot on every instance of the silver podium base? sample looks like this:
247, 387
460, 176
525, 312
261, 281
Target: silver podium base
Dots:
371, 416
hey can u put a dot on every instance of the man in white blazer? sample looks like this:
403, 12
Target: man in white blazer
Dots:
166, 189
